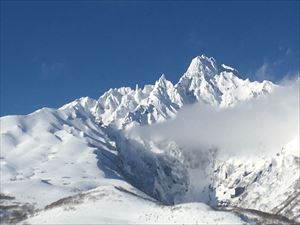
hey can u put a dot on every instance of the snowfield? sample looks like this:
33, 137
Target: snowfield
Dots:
48, 157
124, 204
82, 164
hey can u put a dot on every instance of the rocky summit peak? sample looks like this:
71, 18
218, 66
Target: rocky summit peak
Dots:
161, 81
162, 77
203, 65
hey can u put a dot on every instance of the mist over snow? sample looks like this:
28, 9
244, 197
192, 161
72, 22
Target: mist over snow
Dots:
262, 125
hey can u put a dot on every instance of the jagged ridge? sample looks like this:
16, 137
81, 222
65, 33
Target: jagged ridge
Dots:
90, 131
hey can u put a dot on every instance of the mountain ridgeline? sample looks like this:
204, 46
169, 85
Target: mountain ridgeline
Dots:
83, 147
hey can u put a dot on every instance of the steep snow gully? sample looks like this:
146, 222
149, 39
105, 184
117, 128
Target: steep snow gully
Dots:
59, 164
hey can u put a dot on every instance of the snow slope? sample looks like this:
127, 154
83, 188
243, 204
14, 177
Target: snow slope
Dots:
68, 155
80, 150
124, 204
50, 154
265, 183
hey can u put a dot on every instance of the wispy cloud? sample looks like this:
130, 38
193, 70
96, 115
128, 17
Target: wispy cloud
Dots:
264, 72
267, 71
275, 68
285, 50
53, 69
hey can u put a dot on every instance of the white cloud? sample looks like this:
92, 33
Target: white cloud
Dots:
264, 72
258, 126
55, 69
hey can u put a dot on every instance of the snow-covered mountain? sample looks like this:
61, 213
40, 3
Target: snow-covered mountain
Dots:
82, 150
204, 81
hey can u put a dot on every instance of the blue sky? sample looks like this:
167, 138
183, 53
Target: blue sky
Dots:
53, 52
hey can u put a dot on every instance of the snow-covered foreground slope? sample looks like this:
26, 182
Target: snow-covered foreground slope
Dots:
123, 204
68, 155
51, 154
46, 156
82, 150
